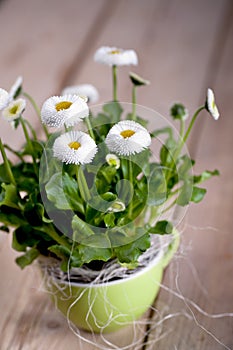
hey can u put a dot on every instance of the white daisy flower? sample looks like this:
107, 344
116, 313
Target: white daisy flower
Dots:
127, 137
4, 99
87, 90
59, 110
113, 160
14, 109
210, 104
114, 56
74, 147
16, 87
116, 207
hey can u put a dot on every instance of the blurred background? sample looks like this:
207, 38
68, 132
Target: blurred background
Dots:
184, 47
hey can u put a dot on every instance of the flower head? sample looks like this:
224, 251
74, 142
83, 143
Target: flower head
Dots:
127, 137
4, 99
210, 104
7, 97
116, 207
59, 110
113, 160
14, 109
178, 111
74, 147
16, 87
113, 56
87, 90
137, 80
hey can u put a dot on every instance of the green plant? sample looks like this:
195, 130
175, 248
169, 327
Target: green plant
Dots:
83, 197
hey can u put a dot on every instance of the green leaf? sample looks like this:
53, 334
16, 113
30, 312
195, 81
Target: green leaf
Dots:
161, 227
70, 188
27, 258
27, 236
185, 194
60, 251
3, 174
63, 192
4, 228
68, 259
157, 188
184, 172
165, 130
36, 151
34, 214
109, 220
23, 238
114, 110
130, 253
25, 176
205, 176
9, 196
81, 229
11, 216
107, 173
89, 253
198, 194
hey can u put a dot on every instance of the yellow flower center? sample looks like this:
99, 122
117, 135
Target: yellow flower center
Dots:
14, 109
127, 133
74, 145
114, 52
63, 105
112, 162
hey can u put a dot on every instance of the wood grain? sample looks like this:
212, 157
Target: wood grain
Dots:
183, 46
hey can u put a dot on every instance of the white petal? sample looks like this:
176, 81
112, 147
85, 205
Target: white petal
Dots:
211, 106
14, 109
130, 145
4, 99
83, 90
115, 56
83, 155
16, 86
70, 116
113, 160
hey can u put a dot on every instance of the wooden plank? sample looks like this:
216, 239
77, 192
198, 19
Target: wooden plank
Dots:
170, 38
176, 45
209, 231
40, 42
147, 29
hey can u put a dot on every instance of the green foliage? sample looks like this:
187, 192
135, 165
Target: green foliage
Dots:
68, 211
27, 258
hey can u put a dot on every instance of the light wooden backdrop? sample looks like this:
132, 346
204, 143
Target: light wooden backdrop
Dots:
183, 47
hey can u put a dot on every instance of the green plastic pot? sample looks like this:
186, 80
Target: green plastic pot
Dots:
109, 306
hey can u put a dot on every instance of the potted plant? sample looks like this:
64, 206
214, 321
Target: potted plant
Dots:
92, 200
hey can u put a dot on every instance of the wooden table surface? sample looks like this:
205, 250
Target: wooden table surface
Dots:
184, 46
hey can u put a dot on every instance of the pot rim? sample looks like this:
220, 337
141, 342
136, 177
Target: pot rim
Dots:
159, 256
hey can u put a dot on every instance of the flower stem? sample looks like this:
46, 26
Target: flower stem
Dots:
49, 229
130, 173
29, 142
7, 164
192, 122
134, 102
37, 110
88, 123
31, 129
82, 184
14, 152
114, 78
